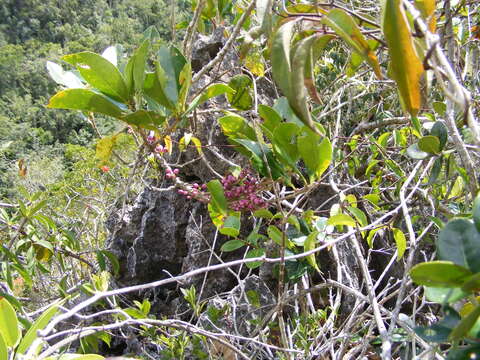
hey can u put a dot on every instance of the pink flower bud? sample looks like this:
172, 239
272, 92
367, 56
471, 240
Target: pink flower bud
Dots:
176, 171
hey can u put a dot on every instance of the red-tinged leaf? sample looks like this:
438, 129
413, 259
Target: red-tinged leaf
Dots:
405, 66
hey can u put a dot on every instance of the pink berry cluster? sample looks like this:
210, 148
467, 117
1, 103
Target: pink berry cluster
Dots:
161, 149
171, 174
151, 137
243, 191
195, 191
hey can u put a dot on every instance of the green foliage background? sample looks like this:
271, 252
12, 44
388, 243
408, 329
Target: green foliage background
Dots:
32, 32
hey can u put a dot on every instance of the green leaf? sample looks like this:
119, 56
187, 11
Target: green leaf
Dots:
231, 226
271, 118
435, 173
297, 97
172, 63
316, 156
240, 98
253, 254
154, 87
310, 244
476, 212
464, 326
139, 62
341, 219
400, 241
232, 245
459, 242
416, 153
359, 215
3, 348
65, 78
144, 119
84, 100
185, 82
444, 295
439, 274
275, 234
256, 151
280, 57
440, 131
210, 92
9, 324
100, 73
429, 144
439, 107
39, 324
218, 199
405, 65
237, 127
345, 27
263, 213
284, 143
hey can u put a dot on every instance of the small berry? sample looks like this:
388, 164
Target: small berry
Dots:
105, 168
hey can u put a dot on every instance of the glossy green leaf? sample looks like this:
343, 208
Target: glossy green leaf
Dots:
172, 63
39, 324
359, 215
459, 242
240, 98
144, 119
65, 78
100, 73
154, 87
257, 153
84, 100
464, 326
139, 62
9, 324
231, 225
280, 57
439, 130
444, 295
113, 260
400, 241
3, 348
217, 194
271, 118
232, 245
341, 219
472, 283
439, 274
429, 144
253, 254
298, 94
416, 153
263, 213
315, 154
405, 65
275, 234
310, 244
210, 92
236, 126
284, 143
345, 27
